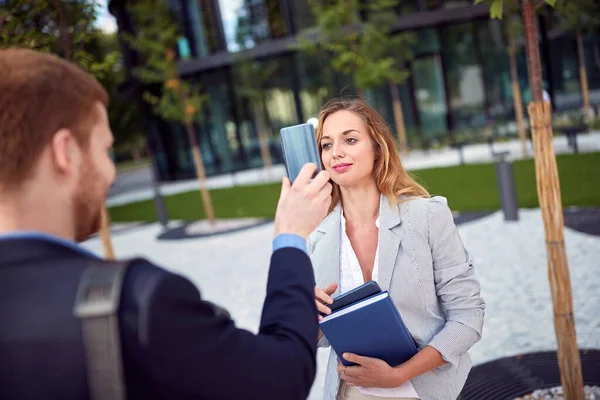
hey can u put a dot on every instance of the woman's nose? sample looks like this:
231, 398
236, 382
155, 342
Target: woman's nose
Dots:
337, 151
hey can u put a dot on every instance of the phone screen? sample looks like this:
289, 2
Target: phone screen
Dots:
299, 147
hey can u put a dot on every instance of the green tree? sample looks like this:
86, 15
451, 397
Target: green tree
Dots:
365, 50
581, 17
548, 187
171, 97
65, 28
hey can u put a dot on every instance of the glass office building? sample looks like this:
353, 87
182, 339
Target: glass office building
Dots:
459, 78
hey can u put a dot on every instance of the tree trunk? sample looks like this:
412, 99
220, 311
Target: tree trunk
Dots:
516, 92
398, 116
583, 77
548, 188
262, 139
105, 234
63, 24
135, 154
200, 173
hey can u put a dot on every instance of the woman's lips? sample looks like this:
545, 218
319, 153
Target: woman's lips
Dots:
341, 167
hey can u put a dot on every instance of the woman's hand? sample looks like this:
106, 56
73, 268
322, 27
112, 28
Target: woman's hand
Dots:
323, 298
370, 372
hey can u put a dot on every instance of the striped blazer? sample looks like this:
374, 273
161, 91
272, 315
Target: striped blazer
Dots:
431, 279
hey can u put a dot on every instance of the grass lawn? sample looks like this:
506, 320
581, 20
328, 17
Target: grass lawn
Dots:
132, 164
467, 187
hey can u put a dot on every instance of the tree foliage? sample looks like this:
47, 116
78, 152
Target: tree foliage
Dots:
65, 28
497, 6
365, 50
155, 40
579, 15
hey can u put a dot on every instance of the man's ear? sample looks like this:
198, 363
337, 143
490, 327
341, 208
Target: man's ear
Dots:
63, 151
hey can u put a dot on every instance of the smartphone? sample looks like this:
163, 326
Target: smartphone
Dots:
357, 294
299, 147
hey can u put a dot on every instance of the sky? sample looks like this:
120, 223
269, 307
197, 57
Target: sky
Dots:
105, 20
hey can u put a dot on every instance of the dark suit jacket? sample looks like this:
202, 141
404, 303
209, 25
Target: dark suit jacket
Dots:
175, 345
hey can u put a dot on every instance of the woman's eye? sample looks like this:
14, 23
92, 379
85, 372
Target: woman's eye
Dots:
350, 140
326, 146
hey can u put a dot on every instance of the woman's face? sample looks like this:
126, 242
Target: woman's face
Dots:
347, 150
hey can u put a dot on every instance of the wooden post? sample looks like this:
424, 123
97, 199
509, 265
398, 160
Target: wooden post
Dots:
516, 92
585, 93
262, 140
398, 116
200, 173
105, 234
548, 188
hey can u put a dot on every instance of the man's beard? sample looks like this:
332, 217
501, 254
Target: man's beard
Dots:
88, 202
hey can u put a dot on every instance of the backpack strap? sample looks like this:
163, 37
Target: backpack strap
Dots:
97, 305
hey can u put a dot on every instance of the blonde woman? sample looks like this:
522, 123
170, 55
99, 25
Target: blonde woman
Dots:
383, 226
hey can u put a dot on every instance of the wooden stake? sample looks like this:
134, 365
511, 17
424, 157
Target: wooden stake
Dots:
105, 234
201, 174
262, 140
516, 91
398, 116
548, 188
583, 79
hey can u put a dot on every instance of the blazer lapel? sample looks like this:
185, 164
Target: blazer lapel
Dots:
389, 241
327, 254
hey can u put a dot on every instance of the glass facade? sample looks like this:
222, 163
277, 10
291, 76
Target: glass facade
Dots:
459, 79
591, 44
464, 77
249, 22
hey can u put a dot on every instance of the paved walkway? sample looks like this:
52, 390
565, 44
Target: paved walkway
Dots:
510, 258
129, 187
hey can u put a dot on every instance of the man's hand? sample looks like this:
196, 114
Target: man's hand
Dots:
303, 205
370, 372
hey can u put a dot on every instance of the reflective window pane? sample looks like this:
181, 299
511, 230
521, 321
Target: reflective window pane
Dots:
591, 45
455, 3
496, 69
220, 146
430, 96
427, 41
565, 74
249, 22
302, 14
316, 83
265, 101
464, 77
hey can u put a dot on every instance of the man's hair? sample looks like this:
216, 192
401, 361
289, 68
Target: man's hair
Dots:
39, 95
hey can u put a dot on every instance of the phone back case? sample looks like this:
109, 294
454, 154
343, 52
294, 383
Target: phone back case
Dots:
299, 147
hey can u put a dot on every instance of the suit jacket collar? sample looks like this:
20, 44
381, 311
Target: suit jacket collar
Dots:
389, 243
24, 246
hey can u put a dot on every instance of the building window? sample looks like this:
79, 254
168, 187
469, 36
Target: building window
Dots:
592, 65
316, 83
455, 3
427, 41
464, 77
496, 69
249, 22
302, 14
197, 21
565, 73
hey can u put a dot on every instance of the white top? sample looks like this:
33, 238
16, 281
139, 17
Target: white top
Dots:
350, 278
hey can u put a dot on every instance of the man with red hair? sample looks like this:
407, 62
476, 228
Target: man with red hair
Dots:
55, 171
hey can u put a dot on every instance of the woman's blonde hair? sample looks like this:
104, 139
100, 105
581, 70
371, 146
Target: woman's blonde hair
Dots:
391, 177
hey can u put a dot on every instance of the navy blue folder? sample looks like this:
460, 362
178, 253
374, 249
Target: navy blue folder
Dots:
371, 327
